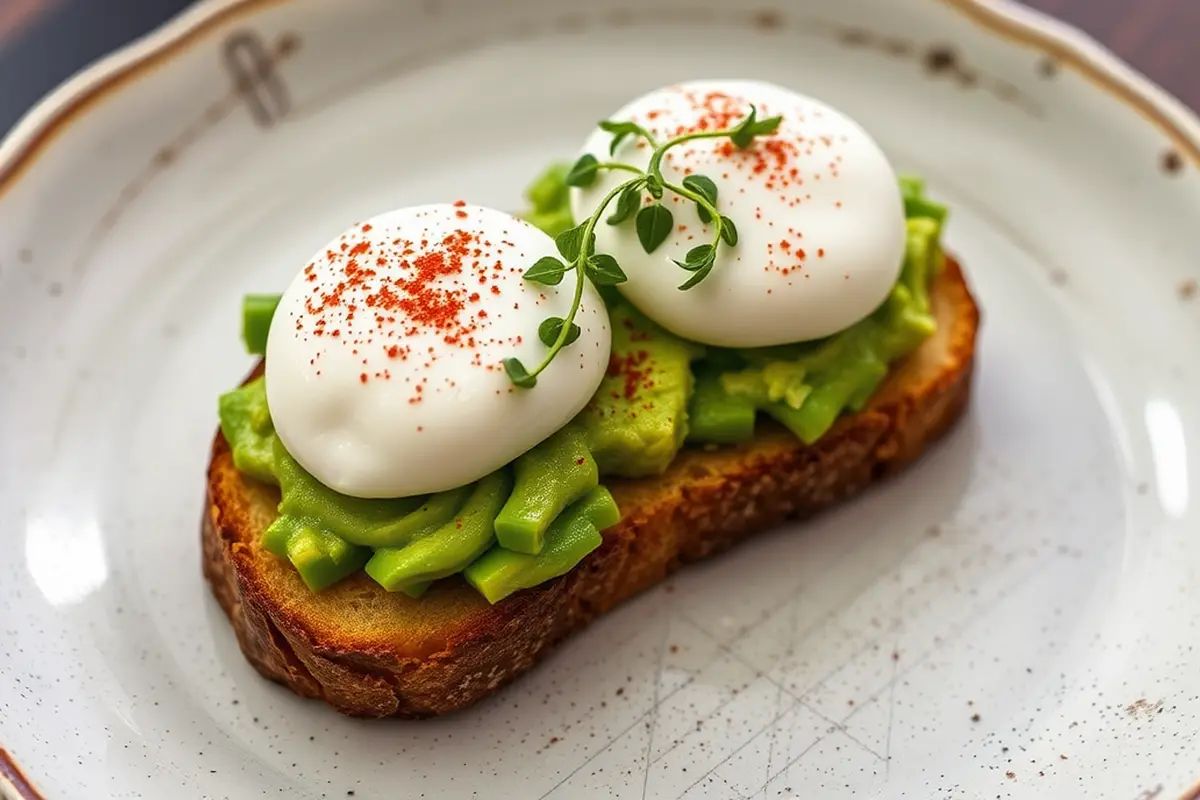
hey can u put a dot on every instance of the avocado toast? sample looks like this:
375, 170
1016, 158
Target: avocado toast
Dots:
399, 595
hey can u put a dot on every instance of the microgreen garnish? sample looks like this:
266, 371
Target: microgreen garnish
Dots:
548, 270
653, 224
550, 329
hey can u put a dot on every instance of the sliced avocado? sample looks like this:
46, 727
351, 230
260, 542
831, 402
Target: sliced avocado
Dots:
575, 533
448, 549
322, 558
257, 312
716, 416
246, 425
548, 478
637, 420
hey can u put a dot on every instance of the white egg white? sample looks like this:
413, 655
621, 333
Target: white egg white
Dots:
383, 370
817, 208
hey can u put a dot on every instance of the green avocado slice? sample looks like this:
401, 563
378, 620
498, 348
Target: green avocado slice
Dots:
448, 549
548, 478
322, 558
574, 534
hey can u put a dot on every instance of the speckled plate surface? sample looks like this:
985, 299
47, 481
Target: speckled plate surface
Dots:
1016, 617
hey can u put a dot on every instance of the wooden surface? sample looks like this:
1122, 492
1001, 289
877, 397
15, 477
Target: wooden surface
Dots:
1159, 37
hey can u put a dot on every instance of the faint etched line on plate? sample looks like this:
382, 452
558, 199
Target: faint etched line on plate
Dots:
789, 598
774, 721
788, 652
811, 630
836, 727
252, 66
839, 727
981, 611
887, 748
658, 671
791, 595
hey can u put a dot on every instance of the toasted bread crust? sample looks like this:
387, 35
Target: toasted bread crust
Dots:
373, 654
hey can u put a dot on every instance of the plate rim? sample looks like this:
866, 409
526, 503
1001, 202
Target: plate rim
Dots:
35, 133
1069, 46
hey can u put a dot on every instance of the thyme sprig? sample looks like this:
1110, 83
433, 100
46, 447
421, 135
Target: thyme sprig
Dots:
653, 224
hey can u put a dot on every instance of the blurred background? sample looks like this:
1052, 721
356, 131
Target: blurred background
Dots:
42, 42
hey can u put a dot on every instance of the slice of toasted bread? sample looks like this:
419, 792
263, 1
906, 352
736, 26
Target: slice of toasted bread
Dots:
371, 653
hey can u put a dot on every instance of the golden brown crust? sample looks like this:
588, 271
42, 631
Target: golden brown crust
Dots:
371, 653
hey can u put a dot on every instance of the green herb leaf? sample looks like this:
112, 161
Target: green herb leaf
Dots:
603, 270
702, 185
742, 135
654, 224
698, 258
751, 126
729, 232
654, 187
548, 270
518, 374
583, 173
697, 276
627, 204
550, 329
768, 126
619, 130
614, 126
570, 242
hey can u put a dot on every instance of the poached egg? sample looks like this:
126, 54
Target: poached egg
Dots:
384, 370
817, 208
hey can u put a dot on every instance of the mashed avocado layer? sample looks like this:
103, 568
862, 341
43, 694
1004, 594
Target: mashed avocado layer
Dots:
407, 543
638, 418
542, 514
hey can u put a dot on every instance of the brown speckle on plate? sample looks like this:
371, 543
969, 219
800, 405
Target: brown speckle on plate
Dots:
1048, 67
1188, 289
854, 37
1172, 162
287, 43
768, 19
941, 59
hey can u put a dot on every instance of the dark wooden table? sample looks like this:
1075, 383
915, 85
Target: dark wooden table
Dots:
1159, 37
44, 41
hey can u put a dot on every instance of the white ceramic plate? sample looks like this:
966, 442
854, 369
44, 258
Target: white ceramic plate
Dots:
1016, 617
